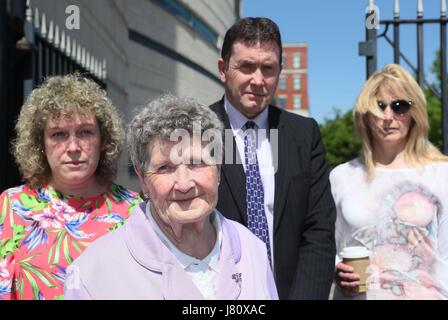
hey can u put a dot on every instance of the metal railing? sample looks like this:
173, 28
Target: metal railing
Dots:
368, 49
52, 52
32, 49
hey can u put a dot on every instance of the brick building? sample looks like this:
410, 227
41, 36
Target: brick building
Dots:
292, 89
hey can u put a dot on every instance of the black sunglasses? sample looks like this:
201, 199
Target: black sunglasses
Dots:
398, 106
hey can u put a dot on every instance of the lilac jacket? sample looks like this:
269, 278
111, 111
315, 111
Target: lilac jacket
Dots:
132, 263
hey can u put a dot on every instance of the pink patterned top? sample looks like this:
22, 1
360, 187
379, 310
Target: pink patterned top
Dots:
42, 231
401, 216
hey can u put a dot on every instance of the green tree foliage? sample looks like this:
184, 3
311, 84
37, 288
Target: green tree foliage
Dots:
340, 139
434, 106
435, 119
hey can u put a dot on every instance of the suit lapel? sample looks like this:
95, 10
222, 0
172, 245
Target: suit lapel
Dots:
233, 173
235, 177
280, 154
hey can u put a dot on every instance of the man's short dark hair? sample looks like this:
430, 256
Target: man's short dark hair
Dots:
251, 31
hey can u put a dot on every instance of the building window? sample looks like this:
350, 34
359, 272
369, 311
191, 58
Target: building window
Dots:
282, 83
296, 61
297, 83
297, 102
282, 102
183, 13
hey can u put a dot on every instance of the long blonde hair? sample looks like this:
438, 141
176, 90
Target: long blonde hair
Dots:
419, 150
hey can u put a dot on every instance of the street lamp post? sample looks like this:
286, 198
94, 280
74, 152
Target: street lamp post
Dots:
396, 32
443, 75
368, 48
420, 66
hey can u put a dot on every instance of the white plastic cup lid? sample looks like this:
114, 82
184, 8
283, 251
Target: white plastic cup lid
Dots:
355, 252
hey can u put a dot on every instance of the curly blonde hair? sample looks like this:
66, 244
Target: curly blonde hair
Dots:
419, 150
64, 96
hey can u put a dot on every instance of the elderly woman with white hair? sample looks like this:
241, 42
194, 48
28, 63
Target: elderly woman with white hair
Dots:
176, 245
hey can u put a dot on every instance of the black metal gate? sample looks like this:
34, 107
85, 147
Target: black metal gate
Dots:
369, 50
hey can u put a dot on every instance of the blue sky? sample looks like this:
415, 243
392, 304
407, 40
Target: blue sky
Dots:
333, 30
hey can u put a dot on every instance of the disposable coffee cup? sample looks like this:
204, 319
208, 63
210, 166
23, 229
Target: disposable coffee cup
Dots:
358, 258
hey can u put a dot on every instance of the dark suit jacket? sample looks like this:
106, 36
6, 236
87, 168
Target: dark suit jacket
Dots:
304, 211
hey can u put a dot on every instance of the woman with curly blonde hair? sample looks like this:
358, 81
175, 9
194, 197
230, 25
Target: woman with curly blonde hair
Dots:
69, 138
392, 202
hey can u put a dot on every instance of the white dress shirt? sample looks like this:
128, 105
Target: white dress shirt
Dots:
264, 156
203, 272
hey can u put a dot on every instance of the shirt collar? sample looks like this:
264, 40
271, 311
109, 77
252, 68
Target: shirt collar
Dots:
238, 120
185, 260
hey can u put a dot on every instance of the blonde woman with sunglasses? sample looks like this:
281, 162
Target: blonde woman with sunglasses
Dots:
393, 200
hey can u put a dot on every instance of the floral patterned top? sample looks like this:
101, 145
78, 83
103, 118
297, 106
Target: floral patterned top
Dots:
42, 231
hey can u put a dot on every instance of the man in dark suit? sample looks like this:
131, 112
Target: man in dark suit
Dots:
283, 195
